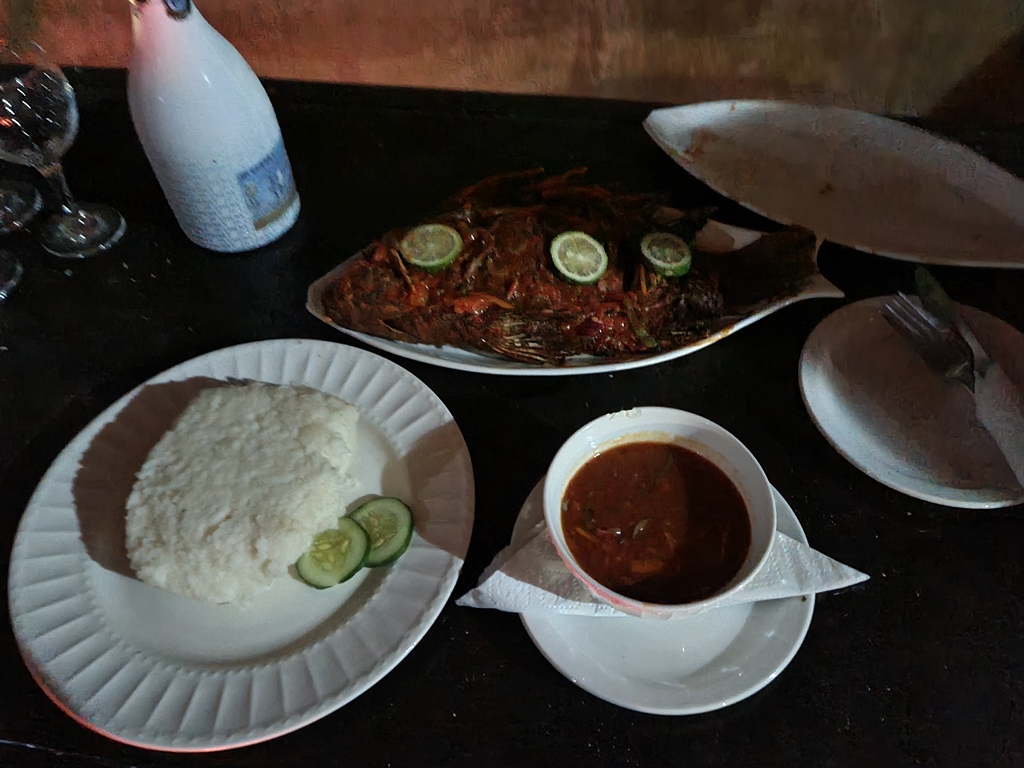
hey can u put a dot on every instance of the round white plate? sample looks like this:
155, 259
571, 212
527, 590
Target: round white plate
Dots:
880, 405
679, 666
153, 669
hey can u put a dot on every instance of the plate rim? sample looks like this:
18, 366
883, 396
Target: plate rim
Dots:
420, 354
804, 366
784, 507
289, 721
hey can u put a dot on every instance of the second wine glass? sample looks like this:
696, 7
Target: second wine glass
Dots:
38, 124
19, 203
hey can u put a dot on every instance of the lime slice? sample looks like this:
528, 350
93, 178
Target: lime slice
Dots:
579, 257
668, 254
431, 246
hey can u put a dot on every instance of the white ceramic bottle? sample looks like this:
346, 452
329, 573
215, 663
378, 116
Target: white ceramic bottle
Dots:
208, 129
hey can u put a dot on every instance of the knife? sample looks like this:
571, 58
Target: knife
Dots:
998, 403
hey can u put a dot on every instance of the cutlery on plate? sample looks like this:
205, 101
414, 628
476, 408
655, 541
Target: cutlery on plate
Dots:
942, 348
936, 301
998, 403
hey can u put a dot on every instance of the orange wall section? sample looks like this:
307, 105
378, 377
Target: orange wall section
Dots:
915, 57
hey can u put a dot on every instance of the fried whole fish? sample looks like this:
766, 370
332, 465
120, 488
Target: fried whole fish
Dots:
501, 294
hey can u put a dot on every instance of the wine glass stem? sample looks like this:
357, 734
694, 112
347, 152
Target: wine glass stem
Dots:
54, 175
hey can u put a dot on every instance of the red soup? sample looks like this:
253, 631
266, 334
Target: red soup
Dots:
656, 522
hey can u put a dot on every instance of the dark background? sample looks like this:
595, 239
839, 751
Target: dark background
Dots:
922, 665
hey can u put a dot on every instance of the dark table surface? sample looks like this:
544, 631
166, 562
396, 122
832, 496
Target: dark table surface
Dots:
922, 665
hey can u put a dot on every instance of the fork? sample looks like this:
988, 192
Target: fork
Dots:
939, 345
998, 404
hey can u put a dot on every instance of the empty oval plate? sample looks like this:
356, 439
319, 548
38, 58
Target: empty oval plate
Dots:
856, 179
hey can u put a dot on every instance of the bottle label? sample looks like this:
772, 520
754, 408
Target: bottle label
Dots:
268, 187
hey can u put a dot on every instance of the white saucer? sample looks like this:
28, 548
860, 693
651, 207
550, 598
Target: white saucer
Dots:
892, 417
677, 667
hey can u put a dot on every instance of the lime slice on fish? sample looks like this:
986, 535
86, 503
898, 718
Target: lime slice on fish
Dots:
578, 257
668, 254
431, 246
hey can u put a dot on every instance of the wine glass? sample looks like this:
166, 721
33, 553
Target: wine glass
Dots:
19, 203
10, 274
38, 123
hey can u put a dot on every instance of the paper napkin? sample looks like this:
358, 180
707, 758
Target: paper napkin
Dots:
530, 577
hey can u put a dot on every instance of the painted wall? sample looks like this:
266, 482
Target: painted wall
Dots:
962, 59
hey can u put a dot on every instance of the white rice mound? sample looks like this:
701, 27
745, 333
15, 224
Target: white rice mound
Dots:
235, 492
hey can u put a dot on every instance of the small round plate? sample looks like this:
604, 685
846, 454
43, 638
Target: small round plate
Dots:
880, 405
679, 666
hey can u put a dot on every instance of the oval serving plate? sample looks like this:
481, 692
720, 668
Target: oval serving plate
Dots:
856, 179
156, 670
714, 238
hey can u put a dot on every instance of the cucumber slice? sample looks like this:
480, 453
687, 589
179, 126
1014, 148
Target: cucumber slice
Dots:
335, 556
431, 247
668, 254
578, 257
388, 522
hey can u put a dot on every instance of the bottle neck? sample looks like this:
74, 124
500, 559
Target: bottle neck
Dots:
176, 9
157, 24
163, 12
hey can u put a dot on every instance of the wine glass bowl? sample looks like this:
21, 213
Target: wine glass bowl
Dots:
10, 274
19, 204
38, 115
38, 124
